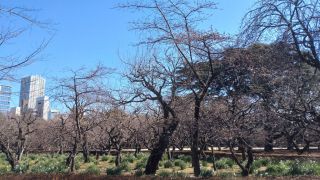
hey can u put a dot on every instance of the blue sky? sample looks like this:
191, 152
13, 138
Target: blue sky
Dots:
89, 32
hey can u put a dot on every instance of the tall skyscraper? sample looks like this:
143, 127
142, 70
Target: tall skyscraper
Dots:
32, 87
5, 97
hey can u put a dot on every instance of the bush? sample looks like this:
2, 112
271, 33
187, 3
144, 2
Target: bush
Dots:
49, 166
168, 164
304, 168
105, 158
139, 172
163, 173
224, 163
280, 169
258, 163
22, 167
124, 166
181, 174
226, 175
114, 171
92, 170
185, 158
180, 163
4, 169
206, 173
204, 163
129, 158
140, 165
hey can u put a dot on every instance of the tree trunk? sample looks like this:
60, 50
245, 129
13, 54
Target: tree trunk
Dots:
118, 156
160, 147
71, 158
85, 150
195, 140
213, 159
10, 158
268, 147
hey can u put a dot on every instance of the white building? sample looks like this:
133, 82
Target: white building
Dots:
53, 113
15, 111
43, 107
32, 87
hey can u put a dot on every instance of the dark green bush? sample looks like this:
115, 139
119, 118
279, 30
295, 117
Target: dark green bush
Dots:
204, 163
93, 170
168, 164
185, 158
206, 173
114, 171
224, 163
164, 173
180, 163
129, 158
104, 158
141, 165
124, 166
4, 169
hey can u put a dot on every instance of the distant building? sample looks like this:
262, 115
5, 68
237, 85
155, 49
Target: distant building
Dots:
53, 113
5, 98
43, 107
32, 87
15, 111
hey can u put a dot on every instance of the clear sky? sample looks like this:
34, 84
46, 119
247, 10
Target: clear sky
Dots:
88, 32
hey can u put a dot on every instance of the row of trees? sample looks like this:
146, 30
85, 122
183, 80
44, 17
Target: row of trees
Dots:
194, 88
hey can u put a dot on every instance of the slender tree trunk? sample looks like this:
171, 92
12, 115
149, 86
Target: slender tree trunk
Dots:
195, 140
213, 159
118, 156
160, 147
85, 150
268, 147
71, 158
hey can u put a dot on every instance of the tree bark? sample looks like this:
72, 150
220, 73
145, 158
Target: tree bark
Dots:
195, 140
160, 147
85, 150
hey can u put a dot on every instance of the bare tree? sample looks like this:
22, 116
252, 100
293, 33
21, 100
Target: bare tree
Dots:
174, 28
8, 33
293, 21
14, 134
82, 93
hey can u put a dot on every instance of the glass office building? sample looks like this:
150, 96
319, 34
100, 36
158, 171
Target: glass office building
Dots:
5, 98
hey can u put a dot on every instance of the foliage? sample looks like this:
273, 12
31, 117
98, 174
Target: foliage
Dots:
139, 172
168, 164
224, 163
114, 171
129, 158
93, 170
206, 173
180, 163
204, 163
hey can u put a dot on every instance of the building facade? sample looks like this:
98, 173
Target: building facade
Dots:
5, 98
15, 111
43, 107
32, 87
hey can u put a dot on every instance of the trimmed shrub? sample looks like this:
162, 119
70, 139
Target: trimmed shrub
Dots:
204, 163
124, 166
129, 158
114, 171
141, 165
206, 173
4, 169
105, 158
280, 169
164, 173
180, 163
185, 158
168, 164
92, 170
224, 163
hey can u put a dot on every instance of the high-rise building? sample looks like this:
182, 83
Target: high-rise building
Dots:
54, 113
15, 111
43, 107
32, 87
5, 97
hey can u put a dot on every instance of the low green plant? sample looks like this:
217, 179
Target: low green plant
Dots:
180, 163
140, 165
168, 164
164, 173
125, 166
206, 173
181, 174
185, 158
129, 158
92, 170
224, 163
105, 158
204, 163
258, 163
225, 175
114, 171
279, 169
4, 169
139, 172
304, 168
